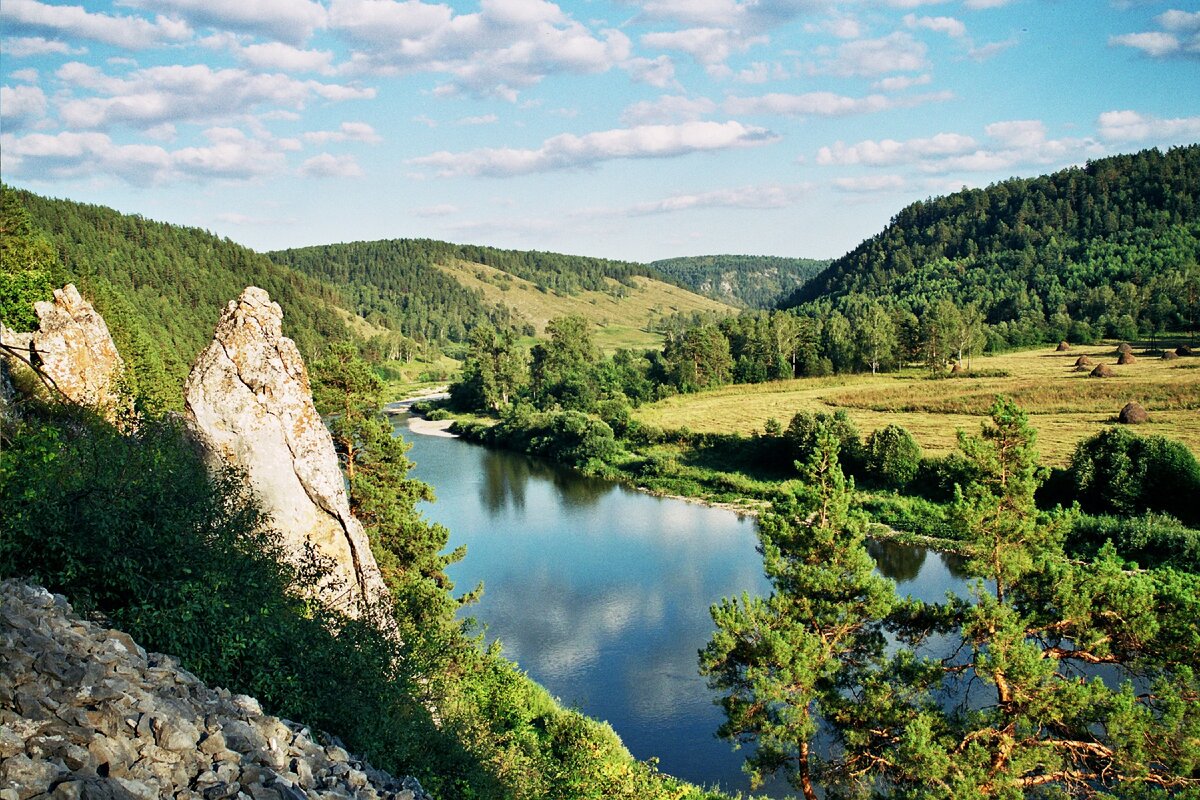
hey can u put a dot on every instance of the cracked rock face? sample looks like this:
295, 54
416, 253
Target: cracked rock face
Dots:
87, 713
74, 349
249, 398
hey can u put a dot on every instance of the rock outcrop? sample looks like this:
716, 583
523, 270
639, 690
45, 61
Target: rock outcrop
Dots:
86, 712
73, 348
249, 399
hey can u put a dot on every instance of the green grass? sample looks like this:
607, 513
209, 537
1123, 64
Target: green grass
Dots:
622, 317
1065, 406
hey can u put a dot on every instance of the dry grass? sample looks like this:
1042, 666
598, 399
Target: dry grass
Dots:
1065, 406
620, 321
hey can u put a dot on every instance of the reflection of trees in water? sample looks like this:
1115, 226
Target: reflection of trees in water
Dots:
957, 566
576, 491
504, 480
900, 562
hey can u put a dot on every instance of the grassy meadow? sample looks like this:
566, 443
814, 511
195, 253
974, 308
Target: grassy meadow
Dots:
1065, 406
621, 319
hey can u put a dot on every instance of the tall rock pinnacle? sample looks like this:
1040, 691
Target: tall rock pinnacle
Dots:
248, 394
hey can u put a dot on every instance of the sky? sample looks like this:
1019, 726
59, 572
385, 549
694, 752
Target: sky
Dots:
630, 129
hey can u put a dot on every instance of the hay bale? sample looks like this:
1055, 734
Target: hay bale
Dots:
1124, 347
957, 367
1126, 358
1082, 368
1133, 414
1084, 361
1102, 371
1063, 346
1169, 356
1183, 350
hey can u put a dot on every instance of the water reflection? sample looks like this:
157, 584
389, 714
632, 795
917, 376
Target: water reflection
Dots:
897, 561
602, 593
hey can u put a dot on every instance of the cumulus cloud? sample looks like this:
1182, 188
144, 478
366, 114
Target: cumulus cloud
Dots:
25, 46
890, 151
347, 132
708, 46
752, 197
23, 106
1178, 37
275, 55
898, 83
896, 52
668, 109
826, 104
154, 95
133, 33
327, 165
950, 26
1130, 126
479, 119
748, 15
507, 46
568, 151
285, 20
1009, 143
984, 52
229, 154
658, 72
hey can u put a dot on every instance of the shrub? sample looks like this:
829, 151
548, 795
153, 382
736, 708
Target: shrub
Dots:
936, 477
892, 457
1118, 472
801, 436
1152, 540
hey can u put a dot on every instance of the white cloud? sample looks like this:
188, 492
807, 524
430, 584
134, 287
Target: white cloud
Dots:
1179, 36
480, 119
890, 151
841, 27
347, 132
22, 105
568, 151
896, 52
668, 109
1130, 126
708, 46
898, 83
985, 51
286, 20
25, 75
331, 166
134, 33
155, 95
747, 15
826, 104
1011, 143
25, 46
440, 210
753, 197
274, 55
760, 72
948, 25
979, 4
507, 46
428, 122
658, 72
230, 154
871, 183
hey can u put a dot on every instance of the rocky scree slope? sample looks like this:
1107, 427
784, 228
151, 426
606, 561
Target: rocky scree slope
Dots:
87, 713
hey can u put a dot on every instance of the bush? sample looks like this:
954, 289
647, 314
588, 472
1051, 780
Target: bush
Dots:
892, 457
1119, 472
1152, 540
801, 436
936, 477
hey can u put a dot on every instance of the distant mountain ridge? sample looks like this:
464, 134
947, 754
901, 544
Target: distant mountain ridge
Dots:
740, 280
1112, 245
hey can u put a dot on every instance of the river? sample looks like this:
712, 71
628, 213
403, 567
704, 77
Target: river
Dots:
601, 593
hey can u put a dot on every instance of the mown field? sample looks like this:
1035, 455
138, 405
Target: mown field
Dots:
621, 319
1064, 405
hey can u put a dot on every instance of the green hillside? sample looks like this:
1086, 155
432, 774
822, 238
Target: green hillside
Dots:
161, 287
745, 281
1109, 249
436, 292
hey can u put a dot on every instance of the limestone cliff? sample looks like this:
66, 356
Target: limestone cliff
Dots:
73, 348
249, 398
87, 713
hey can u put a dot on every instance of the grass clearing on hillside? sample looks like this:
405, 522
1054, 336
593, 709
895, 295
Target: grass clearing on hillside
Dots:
1065, 406
621, 319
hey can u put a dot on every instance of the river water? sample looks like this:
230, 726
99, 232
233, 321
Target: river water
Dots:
601, 593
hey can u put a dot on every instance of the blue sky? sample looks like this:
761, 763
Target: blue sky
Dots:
636, 129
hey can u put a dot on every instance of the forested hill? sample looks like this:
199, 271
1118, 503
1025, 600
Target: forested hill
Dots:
437, 291
161, 287
748, 281
1113, 244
